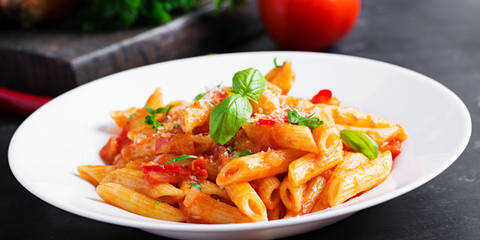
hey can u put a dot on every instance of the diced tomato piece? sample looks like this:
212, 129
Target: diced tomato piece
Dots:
395, 147
123, 139
114, 145
166, 168
159, 141
272, 120
323, 96
266, 122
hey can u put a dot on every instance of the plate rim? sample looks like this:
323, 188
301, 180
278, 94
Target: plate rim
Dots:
183, 227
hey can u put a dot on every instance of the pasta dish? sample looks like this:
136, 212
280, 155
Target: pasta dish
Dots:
243, 153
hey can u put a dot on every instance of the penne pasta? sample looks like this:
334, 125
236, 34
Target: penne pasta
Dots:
276, 213
248, 201
351, 161
267, 104
201, 208
132, 201
256, 166
327, 136
94, 174
197, 113
357, 118
295, 137
208, 188
268, 191
245, 153
282, 76
292, 196
135, 180
312, 192
349, 183
309, 166
155, 100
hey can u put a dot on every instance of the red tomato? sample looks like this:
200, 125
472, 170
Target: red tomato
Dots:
323, 96
308, 25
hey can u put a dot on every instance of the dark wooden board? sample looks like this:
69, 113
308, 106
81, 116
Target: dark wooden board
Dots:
49, 61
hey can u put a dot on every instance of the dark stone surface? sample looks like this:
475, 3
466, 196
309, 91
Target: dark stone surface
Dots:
440, 39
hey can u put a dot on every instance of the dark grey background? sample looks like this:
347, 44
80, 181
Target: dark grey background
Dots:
438, 38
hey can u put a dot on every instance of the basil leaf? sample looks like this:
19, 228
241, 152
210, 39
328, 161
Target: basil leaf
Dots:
228, 117
196, 185
360, 142
251, 81
199, 96
242, 154
237, 91
181, 158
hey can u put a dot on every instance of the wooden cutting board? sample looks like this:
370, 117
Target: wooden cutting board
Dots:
50, 61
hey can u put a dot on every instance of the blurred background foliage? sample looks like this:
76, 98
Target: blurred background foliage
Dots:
116, 14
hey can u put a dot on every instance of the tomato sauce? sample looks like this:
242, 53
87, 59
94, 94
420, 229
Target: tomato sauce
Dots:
395, 147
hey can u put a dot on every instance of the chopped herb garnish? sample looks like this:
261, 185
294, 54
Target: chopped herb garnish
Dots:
234, 111
181, 158
156, 203
294, 117
176, 126
131, 115
196, 185
211, 104
242, 154
185, 164
220, 84
275, 62
170, 148
230, 148
251, 122
199, 96
152, 118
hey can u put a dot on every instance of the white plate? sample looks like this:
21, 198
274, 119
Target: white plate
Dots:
70, 131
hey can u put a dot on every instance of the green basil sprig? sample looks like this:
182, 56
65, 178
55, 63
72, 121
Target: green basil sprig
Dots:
360, 142
234, 111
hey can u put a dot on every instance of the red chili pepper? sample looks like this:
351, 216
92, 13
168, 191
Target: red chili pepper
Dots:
149, 168
172, 174
20, 103
323, 96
